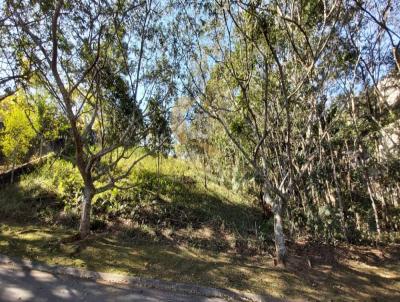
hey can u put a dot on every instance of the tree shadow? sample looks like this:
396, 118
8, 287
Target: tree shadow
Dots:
182, 204
171, 261
20, 283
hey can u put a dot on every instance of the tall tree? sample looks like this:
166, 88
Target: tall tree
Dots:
252, 68
95, 58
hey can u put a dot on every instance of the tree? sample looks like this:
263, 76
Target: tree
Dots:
17, 136
296, 88
255, 45
72, 46
265, 72
49, 122
159, 133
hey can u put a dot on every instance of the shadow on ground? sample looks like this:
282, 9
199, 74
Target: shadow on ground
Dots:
350, 280
21, 284
188, 234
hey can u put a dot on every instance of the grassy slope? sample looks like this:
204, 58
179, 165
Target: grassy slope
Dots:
190, 235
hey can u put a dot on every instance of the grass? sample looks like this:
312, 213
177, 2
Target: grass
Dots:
212, 236
175, 201
351, 281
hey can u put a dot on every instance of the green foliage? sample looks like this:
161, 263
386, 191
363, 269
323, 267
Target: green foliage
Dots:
121, 108
49, 122
291, 94
160, 131
18, 132
65, 178
182, 203
307, 116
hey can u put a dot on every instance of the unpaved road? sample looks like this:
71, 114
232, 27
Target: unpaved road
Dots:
22, 284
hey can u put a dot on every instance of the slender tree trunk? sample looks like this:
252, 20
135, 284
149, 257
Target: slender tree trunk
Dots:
12, 171
385, 215
339, 195
204, 169
280, 246
374, 208
158, 174
397, 192
41, 146
329, 197
84, 227
396, 55
358, 221
371, 197
204, 162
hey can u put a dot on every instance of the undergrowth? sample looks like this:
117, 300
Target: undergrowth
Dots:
172, 205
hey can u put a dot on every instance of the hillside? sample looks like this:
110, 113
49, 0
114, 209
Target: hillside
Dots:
173, 203
188, 233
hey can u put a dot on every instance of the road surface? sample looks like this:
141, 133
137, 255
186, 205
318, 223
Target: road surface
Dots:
23, 284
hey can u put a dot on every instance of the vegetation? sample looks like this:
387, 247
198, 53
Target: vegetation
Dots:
366, 277
188, 234
240, 127
17, 135
182, 201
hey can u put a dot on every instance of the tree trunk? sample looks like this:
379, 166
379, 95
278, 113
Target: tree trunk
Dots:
358, 222
12, 172
396, 55
280, 246
158, 174
397, 192
204, 170
375, 210
343, 223
84, 227
41, 146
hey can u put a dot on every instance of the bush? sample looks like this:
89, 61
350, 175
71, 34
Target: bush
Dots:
57, 178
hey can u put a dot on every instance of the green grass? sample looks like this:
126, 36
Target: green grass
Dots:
182, 202
212, 236
352, 280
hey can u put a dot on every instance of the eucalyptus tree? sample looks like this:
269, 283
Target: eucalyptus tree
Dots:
250, 67
96, 59
382, 16
298, 89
